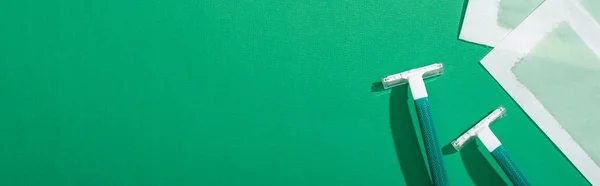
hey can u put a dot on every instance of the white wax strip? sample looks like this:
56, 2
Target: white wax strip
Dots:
550, 65
487, 22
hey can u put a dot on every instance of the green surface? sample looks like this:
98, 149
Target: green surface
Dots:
562, 64
230, 93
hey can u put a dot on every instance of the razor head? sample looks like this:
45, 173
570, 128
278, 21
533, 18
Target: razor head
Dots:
474, 131
402, 78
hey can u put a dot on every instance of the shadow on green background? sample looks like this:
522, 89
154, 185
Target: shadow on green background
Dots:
406, 141
410, 156
479, 168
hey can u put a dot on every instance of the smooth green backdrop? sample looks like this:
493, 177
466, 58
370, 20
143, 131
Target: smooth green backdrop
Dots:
204, 92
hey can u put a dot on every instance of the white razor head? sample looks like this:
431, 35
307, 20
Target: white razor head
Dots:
402, 78
474, 131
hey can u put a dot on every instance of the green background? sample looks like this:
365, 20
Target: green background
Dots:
196, 92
